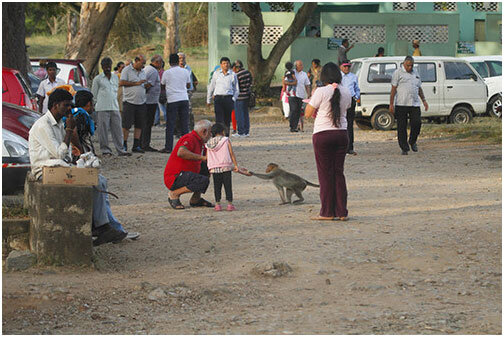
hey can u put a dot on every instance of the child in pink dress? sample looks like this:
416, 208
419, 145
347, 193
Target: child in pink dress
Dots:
221, 162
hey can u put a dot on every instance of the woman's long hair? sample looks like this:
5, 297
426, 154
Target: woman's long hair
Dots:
330, 74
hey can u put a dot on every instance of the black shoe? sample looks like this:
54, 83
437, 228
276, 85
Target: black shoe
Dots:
164, 151
108, 234
414, 147
124, 154
137, 149
404, 153
351, 152
293, 130
150, 149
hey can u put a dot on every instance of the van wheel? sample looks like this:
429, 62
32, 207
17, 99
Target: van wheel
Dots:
382, 119
495, 107
363, 124
460, 115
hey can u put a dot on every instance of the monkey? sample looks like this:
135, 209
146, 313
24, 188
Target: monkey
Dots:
292, 183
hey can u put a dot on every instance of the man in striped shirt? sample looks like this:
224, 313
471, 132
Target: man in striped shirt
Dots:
242, 102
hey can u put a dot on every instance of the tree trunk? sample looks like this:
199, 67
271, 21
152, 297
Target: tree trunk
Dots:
72, 26
14, 54
262, 69
96, 19
172, 42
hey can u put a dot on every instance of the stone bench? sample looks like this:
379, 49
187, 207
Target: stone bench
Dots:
60, 222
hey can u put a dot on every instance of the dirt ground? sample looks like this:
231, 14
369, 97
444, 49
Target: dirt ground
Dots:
421, 253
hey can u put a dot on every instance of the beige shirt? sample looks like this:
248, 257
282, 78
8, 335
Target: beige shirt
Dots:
46, 144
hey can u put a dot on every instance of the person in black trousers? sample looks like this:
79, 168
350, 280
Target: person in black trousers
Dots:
224, 90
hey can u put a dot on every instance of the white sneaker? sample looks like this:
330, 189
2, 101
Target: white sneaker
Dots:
235, 135
246, 135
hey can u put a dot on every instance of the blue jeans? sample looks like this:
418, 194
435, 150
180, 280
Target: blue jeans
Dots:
180, 108
102, 214
242, 116
162, 108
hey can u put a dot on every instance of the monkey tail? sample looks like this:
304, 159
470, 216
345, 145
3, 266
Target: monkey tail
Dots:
311, 184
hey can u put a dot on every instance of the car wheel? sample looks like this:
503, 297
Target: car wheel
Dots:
382, 119
363, 124
460, 115
495, 107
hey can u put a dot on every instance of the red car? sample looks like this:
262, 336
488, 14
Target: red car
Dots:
15, 89
70, 71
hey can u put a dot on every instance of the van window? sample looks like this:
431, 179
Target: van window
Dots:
495, 68
355, 68
427, 71
481, 68
381, 72
457, 71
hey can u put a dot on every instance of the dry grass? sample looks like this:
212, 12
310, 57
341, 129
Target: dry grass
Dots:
481, 128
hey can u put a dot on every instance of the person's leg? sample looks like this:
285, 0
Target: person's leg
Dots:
234, 118
218, 181
325, 168
100, 216
140, 116
239, 117
127, 122
228, 187
112, 219
415, 124
170, 126
294, 107
115, 130
228, 109
246, 117
162, 107
350, 123
401, 114
340, 149
183, 112
103, 119
156, 117
219, 110
147, 126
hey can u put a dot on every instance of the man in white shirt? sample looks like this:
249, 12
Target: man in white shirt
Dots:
303, 88
47, 85
151, 100
49, 142
175, 81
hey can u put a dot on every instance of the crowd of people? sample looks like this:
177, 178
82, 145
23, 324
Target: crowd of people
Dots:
134, 95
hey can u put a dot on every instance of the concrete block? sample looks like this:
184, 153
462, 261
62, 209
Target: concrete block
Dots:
20, 260
60, 224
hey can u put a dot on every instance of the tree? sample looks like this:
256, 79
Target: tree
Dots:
172, 42
262, 69
14, 52
96, 19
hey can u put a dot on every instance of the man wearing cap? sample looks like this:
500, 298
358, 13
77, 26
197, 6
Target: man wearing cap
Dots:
349, 81
405, 99
47, 85
416, 47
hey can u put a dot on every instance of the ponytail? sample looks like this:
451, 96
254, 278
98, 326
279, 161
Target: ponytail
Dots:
335, 107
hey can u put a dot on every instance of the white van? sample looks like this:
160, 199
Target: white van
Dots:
453, 89
490, 68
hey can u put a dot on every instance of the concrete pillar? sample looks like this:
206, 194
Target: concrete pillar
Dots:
60, 224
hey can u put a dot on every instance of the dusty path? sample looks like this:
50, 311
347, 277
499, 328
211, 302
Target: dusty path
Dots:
421, 255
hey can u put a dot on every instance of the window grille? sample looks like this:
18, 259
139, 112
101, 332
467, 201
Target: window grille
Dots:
361, 33
424, 33
235, 7
404, 6
485, 6
239, 34
281, 6
445, 6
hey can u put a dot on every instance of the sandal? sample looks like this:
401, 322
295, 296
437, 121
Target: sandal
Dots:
201, 203
176, 204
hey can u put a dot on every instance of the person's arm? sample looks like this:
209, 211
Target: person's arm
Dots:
211, 89
233, 158
350, 47
125, 83
41, 96
40, 103
188, 80
307, 87
94, 89
392, 97
422, 97
309, 111
356, 89
236, 87
184, 153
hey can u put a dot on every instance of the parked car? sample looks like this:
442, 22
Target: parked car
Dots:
490, 68
34, 82
16, 90
16, 124
70, 71
454, 90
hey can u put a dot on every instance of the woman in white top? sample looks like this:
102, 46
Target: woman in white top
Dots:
330, 141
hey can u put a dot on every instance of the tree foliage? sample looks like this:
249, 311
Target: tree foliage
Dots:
193, 16
44, 18
134, 25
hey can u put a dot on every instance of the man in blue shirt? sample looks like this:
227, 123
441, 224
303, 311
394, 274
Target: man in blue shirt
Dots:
349, 80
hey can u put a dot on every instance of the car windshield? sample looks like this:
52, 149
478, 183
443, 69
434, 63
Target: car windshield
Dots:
481, 68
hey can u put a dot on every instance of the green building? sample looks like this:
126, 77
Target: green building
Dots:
443, 28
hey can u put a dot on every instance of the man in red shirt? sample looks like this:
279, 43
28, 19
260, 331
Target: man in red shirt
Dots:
186, 170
